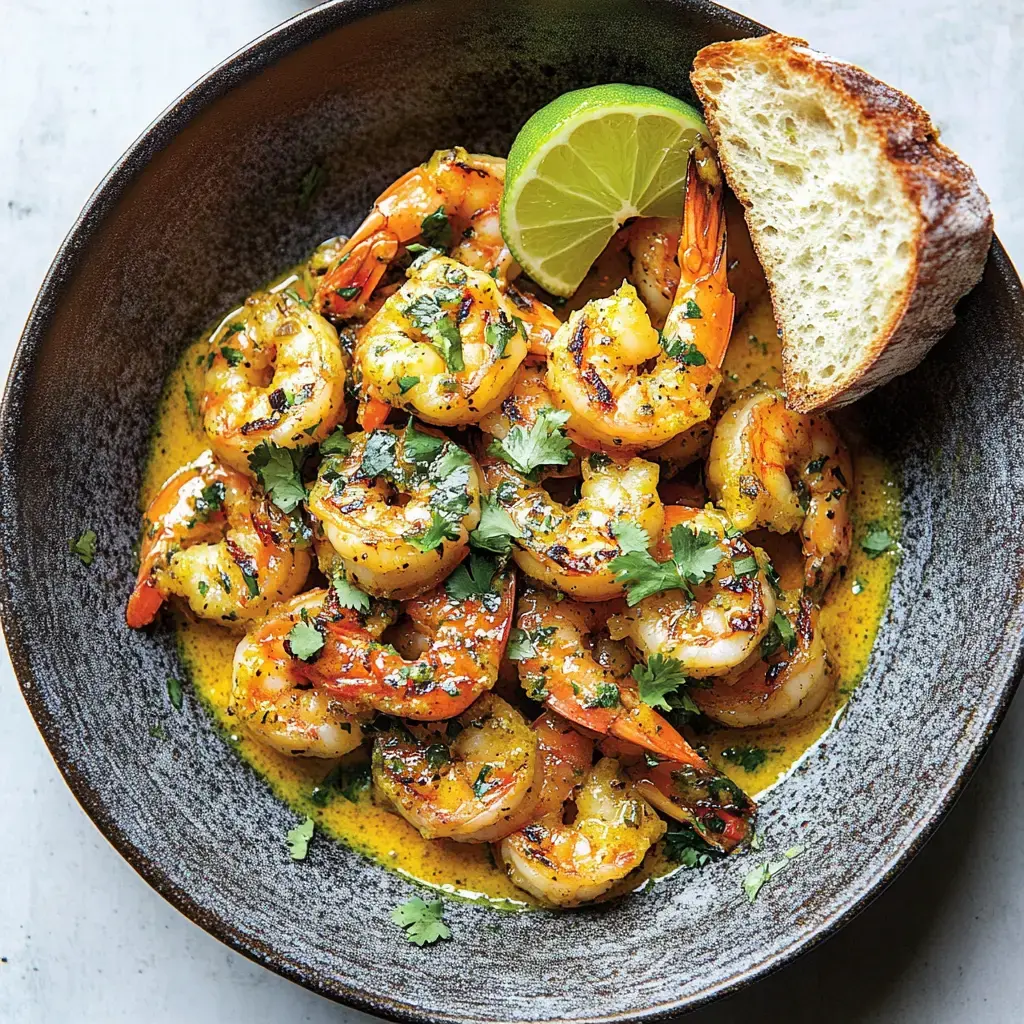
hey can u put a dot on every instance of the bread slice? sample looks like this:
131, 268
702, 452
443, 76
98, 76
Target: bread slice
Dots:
868, 228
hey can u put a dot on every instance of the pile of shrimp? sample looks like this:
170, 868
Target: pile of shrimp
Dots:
442, 519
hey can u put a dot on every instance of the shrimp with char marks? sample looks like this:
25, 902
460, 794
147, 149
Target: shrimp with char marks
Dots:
469, 780
276, 374
770, 466
631, 386
212, 538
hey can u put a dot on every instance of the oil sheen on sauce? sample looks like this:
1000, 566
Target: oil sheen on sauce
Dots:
851, 614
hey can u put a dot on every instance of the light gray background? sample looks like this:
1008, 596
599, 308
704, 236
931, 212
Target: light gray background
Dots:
83, 938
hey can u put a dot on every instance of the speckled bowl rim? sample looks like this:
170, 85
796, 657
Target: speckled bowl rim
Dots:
262, 52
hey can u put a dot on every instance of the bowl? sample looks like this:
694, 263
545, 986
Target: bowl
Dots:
205, 206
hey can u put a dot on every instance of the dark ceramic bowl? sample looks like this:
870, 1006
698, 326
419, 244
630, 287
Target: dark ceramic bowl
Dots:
203, 208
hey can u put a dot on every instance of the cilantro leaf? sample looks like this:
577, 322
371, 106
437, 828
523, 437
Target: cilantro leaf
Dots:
498, 334
348, 595
378, 455
747, 758
877, 542
277, 469
693, 310
209, 500
472, 578
779, 632
174, 693
347, 780
336, 443
643, 576
606, 696
543, 444
495, 530
685, 351
686, 848
298, 839
419, 447
756, 879
695, 553
232, 355
406, 384
304, 640
433, 536
631, 538
436, 229
660, 676
421, 920
84, 545
444, 333
525, 643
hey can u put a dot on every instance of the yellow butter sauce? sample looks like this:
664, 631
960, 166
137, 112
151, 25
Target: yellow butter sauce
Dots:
851, 614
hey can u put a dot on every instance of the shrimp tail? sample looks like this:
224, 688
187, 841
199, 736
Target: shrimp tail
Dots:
357, 272
702, 239
144, 603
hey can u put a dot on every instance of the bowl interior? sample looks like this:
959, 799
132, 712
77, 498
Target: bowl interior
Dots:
206, 207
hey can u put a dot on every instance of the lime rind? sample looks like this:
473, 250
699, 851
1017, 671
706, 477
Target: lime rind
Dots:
586, 163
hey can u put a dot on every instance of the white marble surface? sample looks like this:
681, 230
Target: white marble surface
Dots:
83, 939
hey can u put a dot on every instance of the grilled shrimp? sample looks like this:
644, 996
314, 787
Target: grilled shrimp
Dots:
561, 668
572, 548
395, 511
277, 374
772, 467
469, 779
210, 537
783, 685
729, 614
452, 202
447, 345
567, 864
275, 702
463, 641
521, 408
597, 366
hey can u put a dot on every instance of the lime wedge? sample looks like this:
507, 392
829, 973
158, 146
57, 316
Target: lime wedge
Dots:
586, 163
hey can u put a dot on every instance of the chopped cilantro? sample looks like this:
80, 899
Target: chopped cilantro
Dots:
746, 566
607, 696
473, 578
191, 401
84, 545
379, 455
495, 530
277, 469
483, 784
543, 444
441, 528
421, 920
779, 632
498, 334
685, 351
232, 355
348, 595
174, 692
756, 879
298, 839
436, 229
347, 780
419, 447
857, 587
349, 292
660, 676
304, 640
525, 643
683, 845
747, 758
252, 584
693, 310
695, 553
336, 443
406, 384
877, 542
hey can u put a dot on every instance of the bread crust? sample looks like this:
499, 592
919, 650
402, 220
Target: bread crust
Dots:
954, 221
